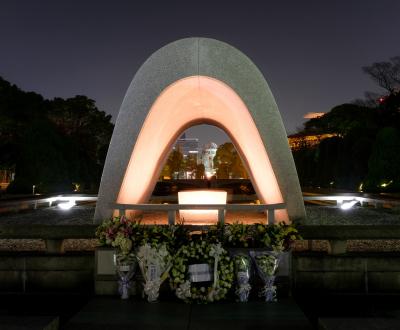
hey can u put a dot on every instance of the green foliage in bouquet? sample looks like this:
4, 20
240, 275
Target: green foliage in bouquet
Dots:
238, 235
214, 234
121, 233
267, 264
278, 237
173, 236
127, 235
242, 262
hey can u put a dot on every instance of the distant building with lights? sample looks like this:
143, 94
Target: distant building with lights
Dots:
188, 146
301, 140
207, 158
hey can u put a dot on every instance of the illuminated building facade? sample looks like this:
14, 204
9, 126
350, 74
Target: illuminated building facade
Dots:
188, 146
299, 141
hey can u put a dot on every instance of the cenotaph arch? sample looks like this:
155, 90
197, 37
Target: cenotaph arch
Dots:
189, 82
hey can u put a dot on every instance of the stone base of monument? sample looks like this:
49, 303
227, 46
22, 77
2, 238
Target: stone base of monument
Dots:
105, 281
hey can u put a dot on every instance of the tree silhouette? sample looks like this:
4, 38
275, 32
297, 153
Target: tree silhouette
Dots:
200, 171
385, 74
175, 163
228, 163
51, 143
383, 165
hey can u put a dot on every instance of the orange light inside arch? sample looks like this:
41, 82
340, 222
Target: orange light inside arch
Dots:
185, 103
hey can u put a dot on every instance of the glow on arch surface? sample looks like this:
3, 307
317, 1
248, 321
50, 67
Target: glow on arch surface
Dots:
185, 103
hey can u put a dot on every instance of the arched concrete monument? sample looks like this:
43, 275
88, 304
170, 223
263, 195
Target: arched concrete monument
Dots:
198, 81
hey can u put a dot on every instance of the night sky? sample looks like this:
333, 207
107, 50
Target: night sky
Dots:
310, 52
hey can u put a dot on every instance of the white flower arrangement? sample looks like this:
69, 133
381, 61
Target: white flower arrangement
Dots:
242, 264
154, 263
199, 254
267, 263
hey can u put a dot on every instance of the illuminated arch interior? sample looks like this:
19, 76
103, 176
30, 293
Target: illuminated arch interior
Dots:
187, 102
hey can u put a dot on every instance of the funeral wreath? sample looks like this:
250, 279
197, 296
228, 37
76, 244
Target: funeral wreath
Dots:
201, 272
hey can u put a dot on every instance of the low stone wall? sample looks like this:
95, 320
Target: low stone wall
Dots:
377, 273
26, 273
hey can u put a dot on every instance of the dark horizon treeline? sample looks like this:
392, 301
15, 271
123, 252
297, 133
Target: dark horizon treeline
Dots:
365, 153
60, 145
57, 145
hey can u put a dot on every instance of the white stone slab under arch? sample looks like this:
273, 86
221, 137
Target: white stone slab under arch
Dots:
189, 82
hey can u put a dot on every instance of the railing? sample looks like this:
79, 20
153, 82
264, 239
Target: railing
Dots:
34, 203
171, 209
336, 235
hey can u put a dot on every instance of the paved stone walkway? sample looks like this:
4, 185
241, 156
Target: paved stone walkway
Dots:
359, 324
112, 313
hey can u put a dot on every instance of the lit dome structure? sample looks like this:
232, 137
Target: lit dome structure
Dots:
207, 158
210, 145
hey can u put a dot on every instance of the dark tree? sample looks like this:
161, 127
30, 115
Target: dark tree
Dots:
341, 120
41, 161
383, 165
17, 110
200, 171
366, 147
190, 163
228, 163
175, 163
87, 132
340, 161
385, 74
51, 144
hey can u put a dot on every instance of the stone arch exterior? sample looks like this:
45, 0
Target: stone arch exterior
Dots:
213, 66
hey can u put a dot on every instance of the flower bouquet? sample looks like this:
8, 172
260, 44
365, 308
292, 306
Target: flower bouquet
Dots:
154, 263
126, 269
242, 269
125, 262
121, 234
267, 263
